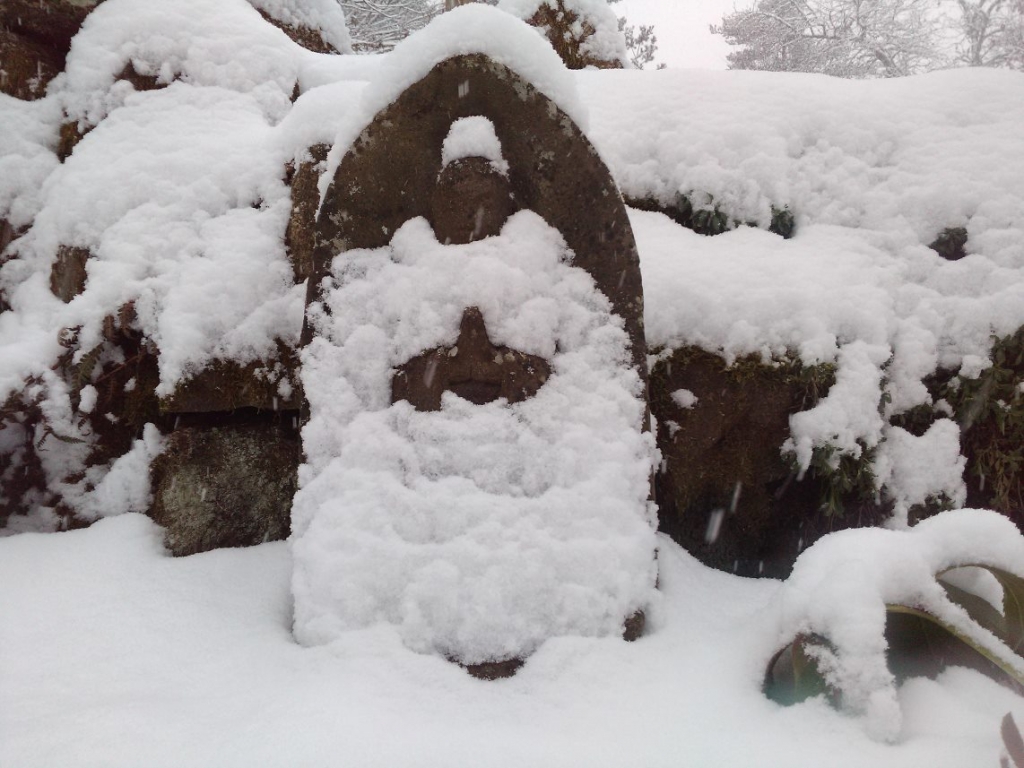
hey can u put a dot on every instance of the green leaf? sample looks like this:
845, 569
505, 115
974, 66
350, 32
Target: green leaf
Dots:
979, 609
1011, 628
793, 675
1013, 608
1013, 740
1010, 672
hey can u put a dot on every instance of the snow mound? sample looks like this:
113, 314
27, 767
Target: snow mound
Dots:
27, 134
226, 44
477, 531
873, 173
905, 156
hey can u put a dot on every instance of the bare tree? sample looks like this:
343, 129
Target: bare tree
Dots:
641, 42
992, 33
378, 25
847, 38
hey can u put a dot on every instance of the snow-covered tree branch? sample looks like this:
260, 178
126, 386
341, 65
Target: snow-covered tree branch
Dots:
847, 38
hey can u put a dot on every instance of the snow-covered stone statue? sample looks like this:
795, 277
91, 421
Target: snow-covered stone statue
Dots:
477, 465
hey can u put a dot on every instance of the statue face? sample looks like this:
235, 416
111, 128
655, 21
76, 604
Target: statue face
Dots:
477, 467
471, 201
487, 493
472, 368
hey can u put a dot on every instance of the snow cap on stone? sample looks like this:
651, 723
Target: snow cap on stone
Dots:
473, 137
473, 28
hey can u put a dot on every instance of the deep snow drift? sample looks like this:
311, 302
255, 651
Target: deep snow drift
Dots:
113, 654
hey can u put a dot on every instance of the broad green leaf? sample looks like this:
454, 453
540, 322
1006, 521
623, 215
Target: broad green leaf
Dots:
1013, 608
978, 608
1013, 740
1011, 630
986, 652
793, 674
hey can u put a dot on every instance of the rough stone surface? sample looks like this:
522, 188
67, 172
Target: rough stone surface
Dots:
494, 670
139, 81
35, 36
26, 65
722, 462
7, 235
67, 275
951, 244
471, 201
390, 173
229, 486
224, 386
310, 39
69, 137
567, 34
299, 235
473, 368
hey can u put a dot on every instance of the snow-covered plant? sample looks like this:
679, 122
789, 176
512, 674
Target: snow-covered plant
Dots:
847, 38
991, 413
959, 574
641, 42
584, 33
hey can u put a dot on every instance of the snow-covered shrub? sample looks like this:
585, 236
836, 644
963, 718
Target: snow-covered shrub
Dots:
584, 33
990, 409
961, 571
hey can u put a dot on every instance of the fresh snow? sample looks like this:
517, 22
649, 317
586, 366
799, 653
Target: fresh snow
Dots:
111, 653
473, 137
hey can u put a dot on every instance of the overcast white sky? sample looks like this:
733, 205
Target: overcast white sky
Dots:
682, 29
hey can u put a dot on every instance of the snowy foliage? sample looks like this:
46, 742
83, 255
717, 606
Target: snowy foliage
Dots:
991, 33
841, 586
874, 38
588, 29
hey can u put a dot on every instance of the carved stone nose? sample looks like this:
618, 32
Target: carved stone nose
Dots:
473, 368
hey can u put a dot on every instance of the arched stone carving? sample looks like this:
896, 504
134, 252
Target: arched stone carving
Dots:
389, 176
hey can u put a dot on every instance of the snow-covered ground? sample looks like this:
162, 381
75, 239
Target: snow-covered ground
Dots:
113, 654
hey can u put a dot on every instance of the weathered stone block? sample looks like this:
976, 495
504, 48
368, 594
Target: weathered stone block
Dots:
67, 275
224, 385
229, 486
298, 237
725, 492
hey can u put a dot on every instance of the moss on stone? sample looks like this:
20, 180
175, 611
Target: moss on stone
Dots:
725, 490
229, 486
